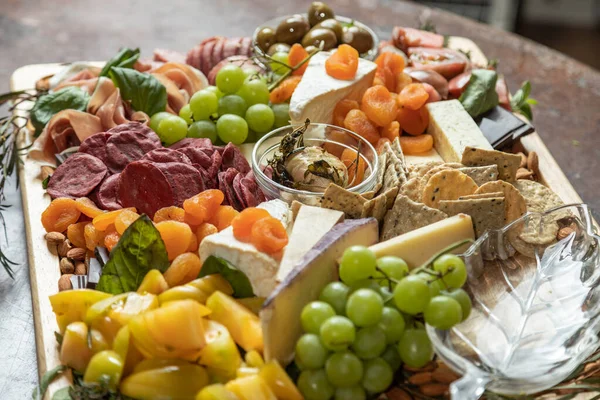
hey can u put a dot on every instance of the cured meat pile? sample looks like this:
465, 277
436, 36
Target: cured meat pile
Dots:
127, 166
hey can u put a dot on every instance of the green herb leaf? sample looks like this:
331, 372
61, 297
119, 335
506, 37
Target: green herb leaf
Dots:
45, 182
521, 103
139, 250
125, 58
236, 278
59, 338
49, 376
49, 104
480, 95
62, 394
144, 91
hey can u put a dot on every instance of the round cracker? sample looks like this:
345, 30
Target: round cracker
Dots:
418, 170
448, 184
513, 201
434, 169
537, 196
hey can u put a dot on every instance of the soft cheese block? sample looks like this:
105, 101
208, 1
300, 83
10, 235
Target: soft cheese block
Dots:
453, 130
422, 158
416, 247
259, 267
318, 93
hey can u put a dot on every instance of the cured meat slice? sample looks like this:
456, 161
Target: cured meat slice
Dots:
127, 146
226, 179
215, 166
233, 158
197, 155
232, 47
192, 142
239, 191
185, 180
165, 55
241, 61
445, 62
166, 155
249, 184
144, 186
107, 194
431, 77
131, 126
78, 176
404, 38
95, 145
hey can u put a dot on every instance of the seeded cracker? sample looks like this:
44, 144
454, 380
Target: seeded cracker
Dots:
407, 215
487, 214
395, 160
412, 189
368, 195
436, 169
375, 208
338, 198
515, 203
481, 175
507, 163
380, 172
418, 170
447, 185
482, 196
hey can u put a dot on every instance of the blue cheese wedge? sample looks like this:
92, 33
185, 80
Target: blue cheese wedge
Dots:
259, 267
318, 93
453, 130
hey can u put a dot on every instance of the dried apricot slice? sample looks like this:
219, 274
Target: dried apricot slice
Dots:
205, 230
242, 223
88, 207
402, 80
283, 92
342, 64
416, 144
395, 62
171, 213
391, 131
75, 233
356, 168
223, 217
336, 138
341, 110
357, 121
61, 213
124, 219
379, 105
296, 55
111, 239
269, 235
102, 221
95, 237
192, 220
204, 204
193, 244
413, 122
413, 96
176, 235
183, 265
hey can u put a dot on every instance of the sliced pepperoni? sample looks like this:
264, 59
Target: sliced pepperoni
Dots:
246, 46
185, 180
198, 156
144, 186
95, 145
131, 126
128, 146
226, 179
233, 158
107, 194
232, 46
192, 142
217, 53
78, 176
206, 55
166, 155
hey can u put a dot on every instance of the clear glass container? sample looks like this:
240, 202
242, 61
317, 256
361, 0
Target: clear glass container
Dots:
333, 138
536, 309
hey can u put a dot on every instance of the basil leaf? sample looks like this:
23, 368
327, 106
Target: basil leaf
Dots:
236, 278
125, 58
49, 104
521, 103
144, 91
139, 250
62, 394
480, 95
49, 376
45, 182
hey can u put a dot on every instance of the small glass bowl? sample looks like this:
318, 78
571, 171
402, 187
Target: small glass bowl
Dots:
322, 135
272, 23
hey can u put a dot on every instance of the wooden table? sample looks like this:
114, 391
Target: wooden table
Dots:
33, 31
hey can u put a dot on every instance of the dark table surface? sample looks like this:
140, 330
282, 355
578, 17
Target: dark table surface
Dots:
38, 31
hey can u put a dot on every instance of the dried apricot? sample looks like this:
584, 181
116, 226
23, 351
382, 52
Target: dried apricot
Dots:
111, 239
391, 131
205, 230
75, 233
193, 244
61, 213
242, 223
269, 235
283, 92
413, 96
402, 80
88, 207
296, 55
357, 121
223, 217
181, 267
411, 121
176, 235
192, 220
416, 144
341, 110
355, 166
342, 64
336, 139
171, 213
395, 62
102, 221
204, 204
381, 143
379, 106
124, 219
95, 237
389, 68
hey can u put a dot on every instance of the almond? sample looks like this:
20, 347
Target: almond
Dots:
430, 366
420, 378
80, 268
77, 254
533, 162
524, 173
433, 389
523, 160
398, 394
46, 172
64, 248
54, 238
66, 266
64, 282
444, 375
564, 232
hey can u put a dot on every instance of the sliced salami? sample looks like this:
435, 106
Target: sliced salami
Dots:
78, 176
128, 146
232, 46
198, 156
185, 180
251, 190
95, 145
131, 126
107, 194
226, 179
233, 158
238, 190
166, 155
215, 165
192, 142
144, 186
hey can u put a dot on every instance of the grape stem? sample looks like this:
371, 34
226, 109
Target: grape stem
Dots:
448, 249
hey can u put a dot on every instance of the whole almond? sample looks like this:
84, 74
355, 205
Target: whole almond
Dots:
64, 282
66, 266
397, 394
533, 162
433, 389
524, 173
46, 172
64, 248
444, 375
80, 268
77, 254
564, 232
54, 238
523, 160
420, 378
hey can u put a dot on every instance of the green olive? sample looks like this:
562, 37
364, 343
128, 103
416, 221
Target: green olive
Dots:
292, 29
358, 38
265, 38
278, 48
317, 35
318, 12
333, 25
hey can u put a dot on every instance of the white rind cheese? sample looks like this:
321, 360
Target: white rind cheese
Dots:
453, 130
318, 93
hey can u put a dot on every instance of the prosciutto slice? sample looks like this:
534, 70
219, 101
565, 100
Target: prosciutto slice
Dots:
185, 77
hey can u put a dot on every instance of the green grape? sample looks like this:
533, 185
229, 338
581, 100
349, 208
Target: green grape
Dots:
254, 91
336, 295
378, 375
344, 369
314, 314
282, 114
337, 333
300, 364
364, 307
391, 356
364, 284
314, 385
453, 269
260, 118
358, 262
392, 324
252, 136
415, 348
171, 129
412, 295
350, 393
278, 68
230, 79
186, 114
215, 90
436, 286
203, 129
393, 267
203, 104
156, 118
232, 104
369, 342
463, 299
232, 128
310, 352
443, 312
